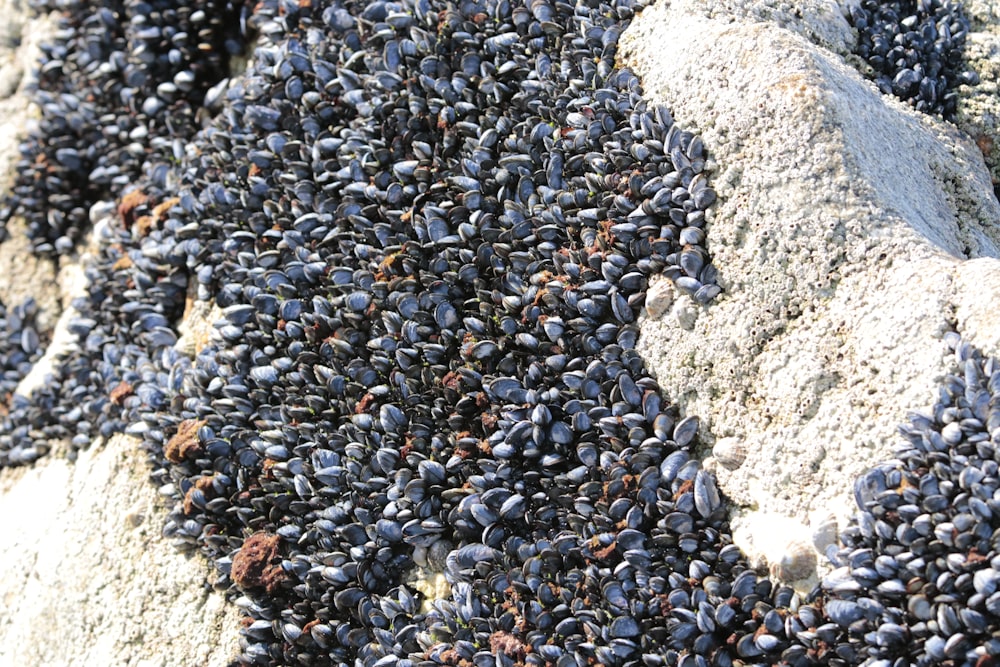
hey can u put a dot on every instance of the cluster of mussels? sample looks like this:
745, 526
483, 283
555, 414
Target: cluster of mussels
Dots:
20, 346
429, 228
23, 434
918, 581
121, 90
915, 49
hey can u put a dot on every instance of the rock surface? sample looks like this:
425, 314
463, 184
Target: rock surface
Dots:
87, 579
851, 233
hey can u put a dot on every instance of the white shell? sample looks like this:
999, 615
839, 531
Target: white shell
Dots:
780, 544
797, 561
729, 452
659, 298
825, 533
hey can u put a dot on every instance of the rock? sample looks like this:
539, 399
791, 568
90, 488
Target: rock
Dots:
979, 110
87, 578
851, 233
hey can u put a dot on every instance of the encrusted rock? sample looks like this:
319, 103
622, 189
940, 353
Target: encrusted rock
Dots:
842, 238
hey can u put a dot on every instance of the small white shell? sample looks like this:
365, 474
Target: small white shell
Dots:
659, 298
729, 452
825, 532
780, 544
798, 561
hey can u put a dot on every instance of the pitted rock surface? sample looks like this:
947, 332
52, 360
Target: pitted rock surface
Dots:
82, 560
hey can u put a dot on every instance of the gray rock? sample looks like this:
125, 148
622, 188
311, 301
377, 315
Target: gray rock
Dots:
86, 577
850, 233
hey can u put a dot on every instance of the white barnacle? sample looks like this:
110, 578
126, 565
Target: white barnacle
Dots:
778, 543
795, 561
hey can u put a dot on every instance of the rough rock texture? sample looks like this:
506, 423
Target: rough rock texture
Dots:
86, 577
851, 233
979, 110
